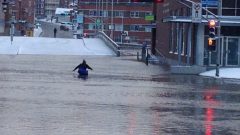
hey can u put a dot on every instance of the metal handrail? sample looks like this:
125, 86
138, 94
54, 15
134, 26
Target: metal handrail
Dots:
109, 42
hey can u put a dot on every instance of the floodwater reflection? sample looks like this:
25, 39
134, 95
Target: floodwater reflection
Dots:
211, 102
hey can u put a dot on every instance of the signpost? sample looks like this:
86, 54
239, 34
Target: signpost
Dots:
196, 13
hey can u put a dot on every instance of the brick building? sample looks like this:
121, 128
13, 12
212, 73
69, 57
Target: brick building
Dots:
21, 13
122, 20
183, 40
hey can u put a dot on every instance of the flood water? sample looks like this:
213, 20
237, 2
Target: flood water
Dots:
40, 95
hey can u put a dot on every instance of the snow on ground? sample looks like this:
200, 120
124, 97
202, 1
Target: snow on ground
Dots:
37, 32
53, 46
224, 73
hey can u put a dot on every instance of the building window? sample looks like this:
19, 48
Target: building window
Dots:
134, 27
148, 29
230, 7
105, 13
118, 27
92, 13
119, 14
134, 14
148, 13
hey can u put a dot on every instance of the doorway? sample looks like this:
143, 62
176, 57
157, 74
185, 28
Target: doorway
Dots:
232, 51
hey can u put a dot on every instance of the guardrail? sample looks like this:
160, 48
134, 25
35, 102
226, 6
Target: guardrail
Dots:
109, 42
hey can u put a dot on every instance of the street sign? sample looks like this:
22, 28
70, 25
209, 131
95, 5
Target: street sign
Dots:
209, 3
196, 12
149, 18
98, 22
79, 18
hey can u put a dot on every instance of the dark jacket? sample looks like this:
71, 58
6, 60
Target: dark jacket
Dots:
55, 30
83, 65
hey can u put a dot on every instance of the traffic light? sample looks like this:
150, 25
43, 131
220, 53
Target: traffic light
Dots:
5, 6
155, 1
212, 28
211, 44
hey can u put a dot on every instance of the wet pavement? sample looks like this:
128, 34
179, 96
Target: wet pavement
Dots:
40, 95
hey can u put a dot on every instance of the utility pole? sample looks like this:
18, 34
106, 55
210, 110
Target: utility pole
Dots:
219, 38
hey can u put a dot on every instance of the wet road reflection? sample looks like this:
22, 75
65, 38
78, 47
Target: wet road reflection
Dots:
37, 100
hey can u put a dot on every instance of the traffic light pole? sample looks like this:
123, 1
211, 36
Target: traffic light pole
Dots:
218, 30
219, 38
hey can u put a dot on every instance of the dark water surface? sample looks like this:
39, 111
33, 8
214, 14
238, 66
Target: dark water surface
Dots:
39, 95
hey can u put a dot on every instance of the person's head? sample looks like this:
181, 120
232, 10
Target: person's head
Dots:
84, 62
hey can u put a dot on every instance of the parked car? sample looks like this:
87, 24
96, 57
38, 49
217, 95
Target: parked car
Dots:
69, 25
64, 28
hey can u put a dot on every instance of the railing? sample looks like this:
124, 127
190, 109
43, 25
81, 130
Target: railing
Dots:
109, 42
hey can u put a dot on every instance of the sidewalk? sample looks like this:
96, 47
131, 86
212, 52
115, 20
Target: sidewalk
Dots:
233, 73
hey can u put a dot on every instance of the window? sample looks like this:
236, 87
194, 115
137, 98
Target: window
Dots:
134, 14
148, 13
134, 27
119, 14
118, 27
105, 13
92, 13
148, 29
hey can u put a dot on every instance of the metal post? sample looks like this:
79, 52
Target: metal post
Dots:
95, 22
122, 30
112, 22
219, 39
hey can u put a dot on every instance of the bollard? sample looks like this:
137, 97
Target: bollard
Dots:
147, 57
143, 53
137, 56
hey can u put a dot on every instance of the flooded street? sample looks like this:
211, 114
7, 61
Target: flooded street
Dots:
40, 95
